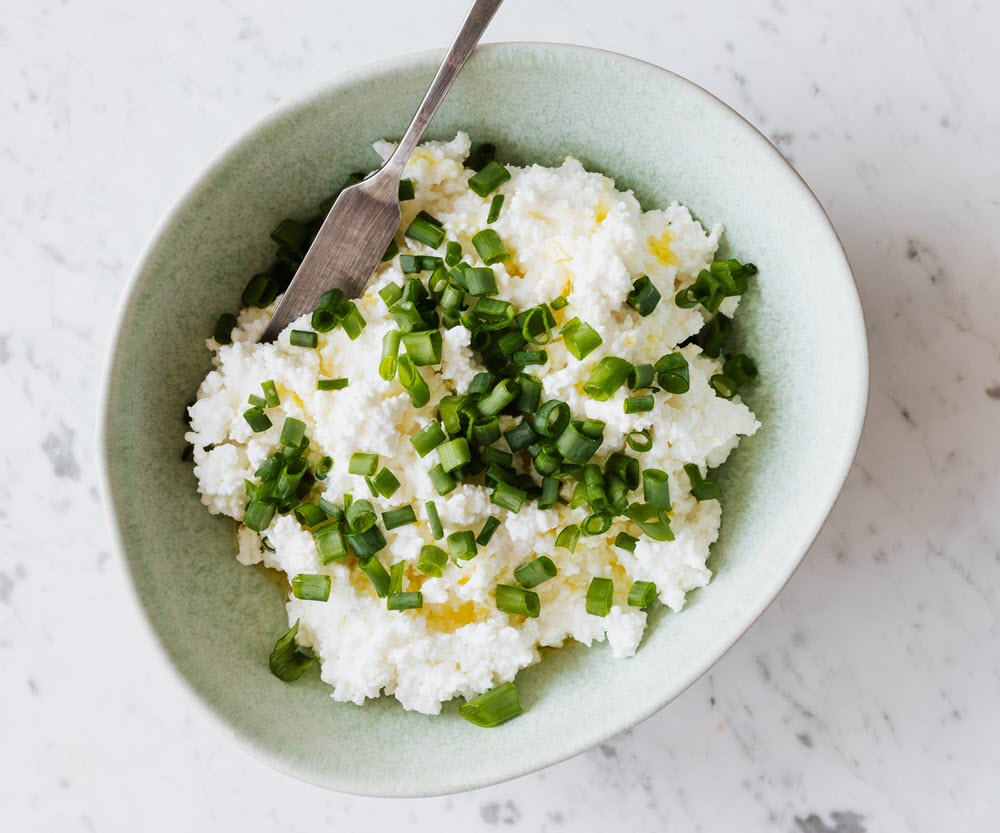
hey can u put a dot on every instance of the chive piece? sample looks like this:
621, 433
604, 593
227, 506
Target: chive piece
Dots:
599, 596
575, 443
309, 514
441, 480
492, 708
702, 488
499, 398
423, 348
536, 325
395, 518
580, 338
271, 468
405, 601
258, 515
453, 253
324, 467
644, 296
270, 394
481, 156
289, 234
332, 384
427, 438
490, 247
652, 521
486, 533
187, 453
641, 376
386, 483
312, 588
330, 542
256, 401
371, 487
439, 279
495, 205
434, 520
224, 328
293, 431
390, 293
609, 375
390, 251
491, 177
656, 489
625, 541
520, 436
560, 302
303, 338
482, 384
552, 418
639, 440
366, 543
639, 404
365, 464
518, 601
497, 456
432, 561
425, 229
723, 385
406, 191
353, 322
535, 572
550, 493
480, 280
741, 369
712, 337
454, 454
511, 342
462, 545
390, 350
257, 419
377, 575
323, 320
508, 497
523, 358
568, 537
288, 662
360, 515
531, 393
413, 382
260, 292
642, 594
452, 297
484, 430
596, 524
624, 467
673, 373
396, 577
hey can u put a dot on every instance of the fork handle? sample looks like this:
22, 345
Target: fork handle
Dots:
468, 36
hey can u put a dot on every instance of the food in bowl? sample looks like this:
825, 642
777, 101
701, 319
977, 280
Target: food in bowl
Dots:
504, 443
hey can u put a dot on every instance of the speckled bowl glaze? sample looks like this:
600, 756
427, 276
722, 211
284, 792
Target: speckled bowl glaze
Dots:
653, 132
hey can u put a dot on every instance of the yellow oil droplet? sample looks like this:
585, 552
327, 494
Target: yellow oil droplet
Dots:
601, 213
446, 619
556, 252
660, 248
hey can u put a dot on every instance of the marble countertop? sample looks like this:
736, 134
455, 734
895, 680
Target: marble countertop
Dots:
865, 699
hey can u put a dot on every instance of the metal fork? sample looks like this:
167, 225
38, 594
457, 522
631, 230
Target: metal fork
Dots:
363, 220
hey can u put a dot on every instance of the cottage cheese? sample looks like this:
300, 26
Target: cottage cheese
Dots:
570, 232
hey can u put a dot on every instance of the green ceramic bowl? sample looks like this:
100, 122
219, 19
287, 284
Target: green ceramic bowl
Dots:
653, 132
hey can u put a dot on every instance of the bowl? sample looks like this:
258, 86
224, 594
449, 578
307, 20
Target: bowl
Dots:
653, 132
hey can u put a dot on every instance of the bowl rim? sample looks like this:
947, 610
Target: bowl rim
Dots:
584, 740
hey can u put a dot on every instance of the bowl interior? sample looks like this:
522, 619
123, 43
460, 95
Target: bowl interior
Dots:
651, 131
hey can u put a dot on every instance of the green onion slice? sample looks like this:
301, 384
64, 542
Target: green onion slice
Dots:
312, 588
644, 296
405, 601
486, 533
673, 373
423, 348
518, 601
288, 662
257, 419
609, 375
492, 708
303, 338
332, 384
270, 394
639, 404
386, 483
656, 489
625, 541
454, 454
377, 575
702, 488
390, 352
491, 177
427, 438
490, 247
495, 205
364, 464
568, 537
432, 561
258, 515
600, 594
462, 545
330, 542
425, 229
535, 572
639, 440
580, 338
642, 594
413, 382
395, 518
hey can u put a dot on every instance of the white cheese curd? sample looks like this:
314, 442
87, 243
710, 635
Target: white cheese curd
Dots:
570, 232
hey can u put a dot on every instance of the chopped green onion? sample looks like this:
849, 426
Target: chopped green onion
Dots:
644, 296
360, 515
481, 156
626, 542
609, 375
406, 191
256, 401
723, 385
568, 537
453, 253
639, 404
495, 205
391, 293
371, 487
293, 431
511, 342
332, 384
492, 708
673, 373
482, 384
486, 533
353, 322
535, 572
452, 297
702, 488
271, 468
287, 661
639, 440
258, 515
496, 456
270, 394
330, 542
508, 497
580, 338
309, 514
576, 445
499, 398
491, 177
224, 328
518, 601
552, 418
377, 575
625, 467
366, 543
413, 382
303, 338
434, 520
490, 247
323, 467
454, 454
641, 376
441, 480
432, 561
536, 325
396, 577
395, 518
652, 521
642, 594
484, 430
427, 438
386, 483
257, 419
550, 493
480, 280
425, 229
423, 348
530, 394
713, 336
462, 545
439, 279
312, 588
523, 358
599, 596
741, 369
492, 313
520, 436
366, 464
390, 350
390, 251
405, 601
596, 524
289, 234
560, 302
656, 488
260, 292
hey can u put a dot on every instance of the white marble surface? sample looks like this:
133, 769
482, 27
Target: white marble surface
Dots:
865, 699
